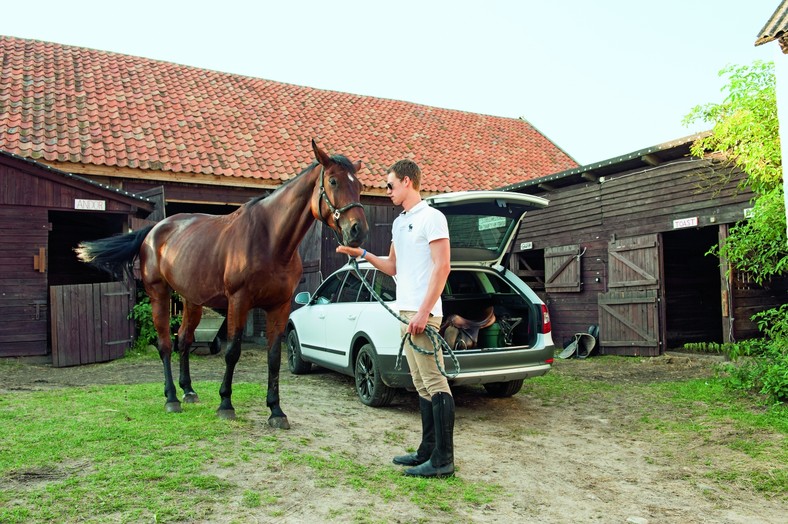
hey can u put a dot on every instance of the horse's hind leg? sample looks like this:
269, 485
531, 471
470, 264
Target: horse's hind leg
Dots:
160, 308
191, 318
275, 327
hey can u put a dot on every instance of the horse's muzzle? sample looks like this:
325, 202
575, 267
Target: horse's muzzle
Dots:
356, 233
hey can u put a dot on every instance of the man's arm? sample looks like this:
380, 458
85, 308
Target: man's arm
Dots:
440, 250
386, 264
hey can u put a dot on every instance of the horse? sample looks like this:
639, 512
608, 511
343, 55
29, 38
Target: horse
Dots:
247, 259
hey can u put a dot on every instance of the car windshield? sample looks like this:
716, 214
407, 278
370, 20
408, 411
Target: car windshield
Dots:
479, 231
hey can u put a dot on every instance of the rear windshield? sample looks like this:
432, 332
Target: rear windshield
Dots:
479, 231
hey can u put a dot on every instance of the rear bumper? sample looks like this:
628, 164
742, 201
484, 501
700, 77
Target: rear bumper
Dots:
479, 367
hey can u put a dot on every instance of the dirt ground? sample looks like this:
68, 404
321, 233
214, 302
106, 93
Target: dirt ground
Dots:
576, 462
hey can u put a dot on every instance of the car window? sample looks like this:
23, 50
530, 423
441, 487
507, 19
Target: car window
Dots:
385, 286
463, 283
479, 231
364, 295
351, 288
329, 290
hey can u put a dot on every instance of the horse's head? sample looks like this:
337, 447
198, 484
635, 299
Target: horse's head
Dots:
337, 197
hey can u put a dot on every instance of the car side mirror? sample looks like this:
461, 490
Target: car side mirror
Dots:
303, 298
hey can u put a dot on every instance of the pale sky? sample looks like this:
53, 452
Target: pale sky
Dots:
600, 78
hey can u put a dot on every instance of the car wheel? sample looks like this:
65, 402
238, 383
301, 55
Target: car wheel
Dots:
297, 365
503, 389
369, 384
216, 346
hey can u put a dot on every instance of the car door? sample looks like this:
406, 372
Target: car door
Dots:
342, 316
312, 334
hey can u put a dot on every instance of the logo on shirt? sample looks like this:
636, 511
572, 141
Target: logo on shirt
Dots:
410, 228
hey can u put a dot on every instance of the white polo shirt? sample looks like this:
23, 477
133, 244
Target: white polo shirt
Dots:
412, 233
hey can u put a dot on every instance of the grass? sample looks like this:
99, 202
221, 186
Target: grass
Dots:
111, 453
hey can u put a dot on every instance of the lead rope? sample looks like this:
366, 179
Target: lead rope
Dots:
438, 342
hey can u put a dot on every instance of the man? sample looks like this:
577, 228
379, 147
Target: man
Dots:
420, 258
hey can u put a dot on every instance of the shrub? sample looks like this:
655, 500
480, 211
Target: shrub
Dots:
142, 312
763, 363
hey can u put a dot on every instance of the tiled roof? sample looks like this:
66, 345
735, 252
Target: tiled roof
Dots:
61, 103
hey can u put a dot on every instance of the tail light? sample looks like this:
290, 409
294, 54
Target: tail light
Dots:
546, 326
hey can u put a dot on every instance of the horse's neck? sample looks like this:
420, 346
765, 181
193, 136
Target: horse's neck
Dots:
288, 213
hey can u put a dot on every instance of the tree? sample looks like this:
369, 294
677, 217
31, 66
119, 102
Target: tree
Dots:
746, 131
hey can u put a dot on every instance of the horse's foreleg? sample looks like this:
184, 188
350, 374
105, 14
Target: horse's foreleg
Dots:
231, 356
160, 308
191, 318
275, 327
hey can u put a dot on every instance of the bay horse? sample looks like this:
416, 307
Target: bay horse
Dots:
244, 260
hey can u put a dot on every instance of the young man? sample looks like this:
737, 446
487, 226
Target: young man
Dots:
420, 258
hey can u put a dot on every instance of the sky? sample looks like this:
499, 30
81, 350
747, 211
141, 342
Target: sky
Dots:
599, 78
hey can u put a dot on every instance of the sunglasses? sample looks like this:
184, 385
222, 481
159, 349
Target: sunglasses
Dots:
390, 187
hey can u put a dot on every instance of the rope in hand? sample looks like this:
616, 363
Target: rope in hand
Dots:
438, 342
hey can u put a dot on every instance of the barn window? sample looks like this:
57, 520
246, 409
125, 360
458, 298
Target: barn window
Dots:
562, 269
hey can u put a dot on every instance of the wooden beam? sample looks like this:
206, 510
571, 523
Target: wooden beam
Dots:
590, 176
651, 160
545, 186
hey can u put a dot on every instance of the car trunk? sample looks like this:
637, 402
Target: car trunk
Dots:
470, 294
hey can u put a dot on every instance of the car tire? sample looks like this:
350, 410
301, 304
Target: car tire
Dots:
503, 389
369, 385
216, 346
296, 364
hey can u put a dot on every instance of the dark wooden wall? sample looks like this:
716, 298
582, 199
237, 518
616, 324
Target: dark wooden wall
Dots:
643, 201
29, 195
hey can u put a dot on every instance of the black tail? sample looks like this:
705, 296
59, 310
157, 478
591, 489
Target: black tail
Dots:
114, 255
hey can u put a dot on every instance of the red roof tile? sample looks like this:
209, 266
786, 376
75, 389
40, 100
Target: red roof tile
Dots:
69, 104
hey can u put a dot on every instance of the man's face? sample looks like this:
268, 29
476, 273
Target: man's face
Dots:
395, 188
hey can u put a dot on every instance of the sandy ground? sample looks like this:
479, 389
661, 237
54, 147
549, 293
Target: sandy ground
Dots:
584, 461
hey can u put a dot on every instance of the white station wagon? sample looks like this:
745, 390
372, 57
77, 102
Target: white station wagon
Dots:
343, 328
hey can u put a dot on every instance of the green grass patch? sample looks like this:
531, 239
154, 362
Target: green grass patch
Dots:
111, 453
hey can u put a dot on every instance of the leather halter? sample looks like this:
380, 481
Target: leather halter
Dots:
336, 213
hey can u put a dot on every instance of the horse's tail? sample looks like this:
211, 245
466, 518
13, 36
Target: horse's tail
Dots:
114, 255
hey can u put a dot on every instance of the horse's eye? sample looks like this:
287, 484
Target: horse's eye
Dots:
332, 182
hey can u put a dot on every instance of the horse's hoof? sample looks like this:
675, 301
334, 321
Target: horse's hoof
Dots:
173, 407
226, 414
279, 422
191, 398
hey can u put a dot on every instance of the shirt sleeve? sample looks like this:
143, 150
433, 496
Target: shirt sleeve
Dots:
437, 227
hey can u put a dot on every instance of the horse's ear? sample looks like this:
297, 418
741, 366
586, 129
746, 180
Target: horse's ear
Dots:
357, 166
320, 155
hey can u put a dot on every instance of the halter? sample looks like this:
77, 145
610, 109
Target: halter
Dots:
336, 213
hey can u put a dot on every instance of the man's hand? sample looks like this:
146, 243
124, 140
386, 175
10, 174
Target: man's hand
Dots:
418, 323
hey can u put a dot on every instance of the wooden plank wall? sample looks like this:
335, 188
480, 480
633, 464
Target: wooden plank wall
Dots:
90, 323
635, 203
574, 216
23, 289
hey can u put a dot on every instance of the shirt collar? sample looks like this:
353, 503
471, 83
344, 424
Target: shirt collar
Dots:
415, 209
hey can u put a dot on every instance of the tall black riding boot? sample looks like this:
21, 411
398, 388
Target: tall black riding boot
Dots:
441, 463
424, 452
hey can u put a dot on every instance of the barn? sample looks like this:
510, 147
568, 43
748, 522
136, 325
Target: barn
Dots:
44, 213
623, 246
195, 140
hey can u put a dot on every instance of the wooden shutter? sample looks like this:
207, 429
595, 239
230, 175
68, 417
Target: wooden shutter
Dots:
562, 269
629, 322
634, 262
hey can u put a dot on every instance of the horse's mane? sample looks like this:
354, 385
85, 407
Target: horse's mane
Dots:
339, 159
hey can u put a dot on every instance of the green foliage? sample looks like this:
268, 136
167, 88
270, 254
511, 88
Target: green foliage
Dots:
763, 363
142, 312
745, 124
746, 131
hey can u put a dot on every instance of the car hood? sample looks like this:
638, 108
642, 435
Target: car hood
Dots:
483, 224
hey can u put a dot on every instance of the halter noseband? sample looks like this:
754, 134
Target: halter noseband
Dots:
336, 213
